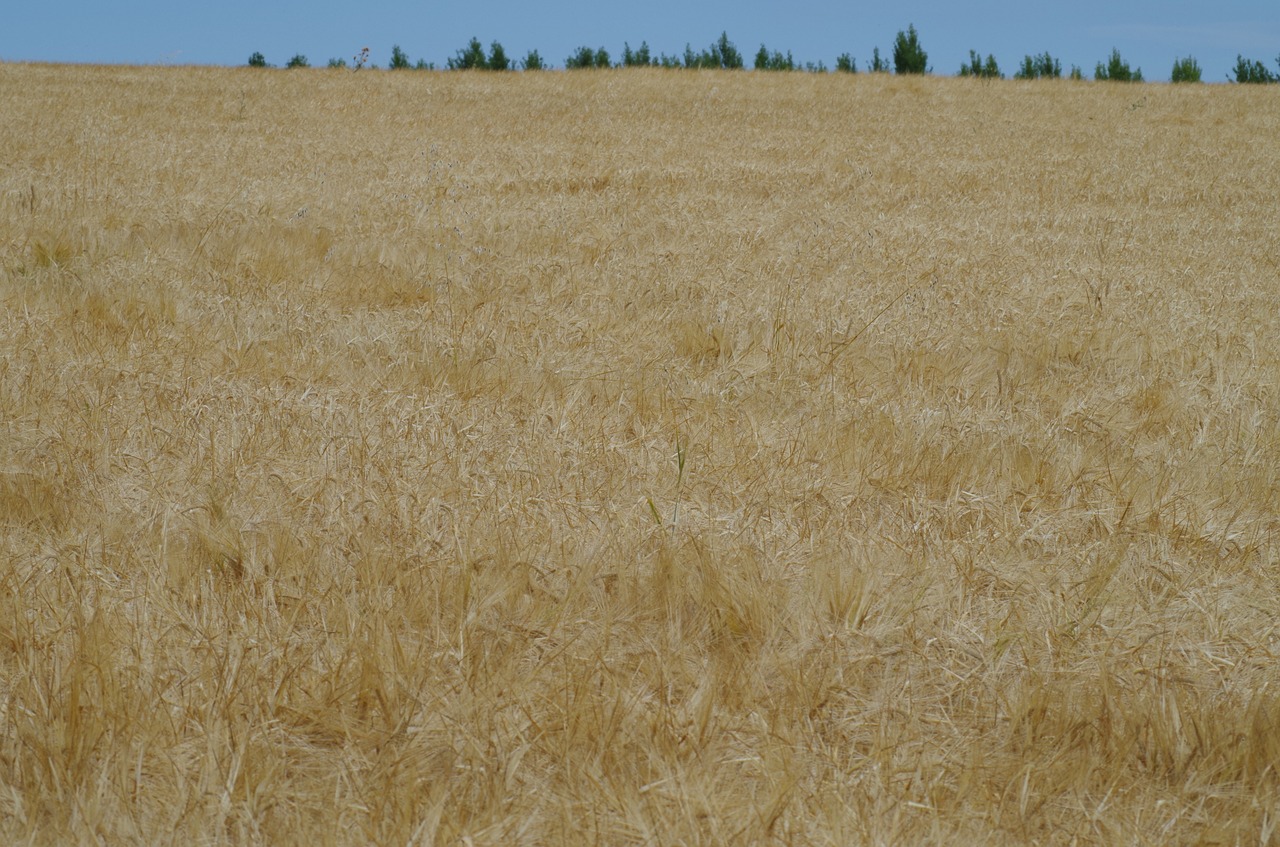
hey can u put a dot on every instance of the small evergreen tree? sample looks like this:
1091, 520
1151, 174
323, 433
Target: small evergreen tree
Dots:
581, 58
1185, 70
878, 65
908, 56
257, 60
725, 54
298, 61
469, 58
775, 61
399, 59
532, 61
721, 54
498, 60
337, 63
846, 64
976, 67
636, 58
1076, 73
1253, 72
1117, 70
1043, 66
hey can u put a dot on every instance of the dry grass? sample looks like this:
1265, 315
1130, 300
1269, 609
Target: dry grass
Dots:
636, 458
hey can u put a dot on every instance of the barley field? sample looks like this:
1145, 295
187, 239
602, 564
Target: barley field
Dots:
637, 457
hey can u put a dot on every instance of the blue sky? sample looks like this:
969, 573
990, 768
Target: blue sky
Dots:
1149, 33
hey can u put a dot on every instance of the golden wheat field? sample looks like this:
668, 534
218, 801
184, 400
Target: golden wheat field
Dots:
637, 457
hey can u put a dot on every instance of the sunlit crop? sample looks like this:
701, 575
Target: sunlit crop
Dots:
636, 457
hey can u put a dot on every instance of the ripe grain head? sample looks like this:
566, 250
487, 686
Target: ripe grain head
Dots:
341, 495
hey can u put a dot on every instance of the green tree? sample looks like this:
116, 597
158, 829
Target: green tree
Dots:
908, 56
298, 61
636, 58
1117, 70
257, 60
469, 58
1185, 70
846, 64
1076, 73
583, 57
1253, 71
775, 61
878, 65
726, 54
498, 60
721, 54
337, 63
976, 67
1043, 66
399, 59
532, 61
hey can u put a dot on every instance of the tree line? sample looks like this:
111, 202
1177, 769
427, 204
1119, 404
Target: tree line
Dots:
908, 57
